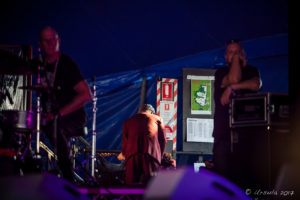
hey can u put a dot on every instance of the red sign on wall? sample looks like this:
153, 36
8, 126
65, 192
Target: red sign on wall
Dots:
167, 106
167, 91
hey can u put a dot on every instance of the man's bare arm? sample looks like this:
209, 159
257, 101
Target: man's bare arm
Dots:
234, 75
83, 96
253, 84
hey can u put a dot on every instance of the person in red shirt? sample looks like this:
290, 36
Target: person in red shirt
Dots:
143, 145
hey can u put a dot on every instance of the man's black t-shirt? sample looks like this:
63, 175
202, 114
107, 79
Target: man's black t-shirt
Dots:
221, 117
66, 77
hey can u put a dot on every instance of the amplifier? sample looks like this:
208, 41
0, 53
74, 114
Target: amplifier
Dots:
260, 109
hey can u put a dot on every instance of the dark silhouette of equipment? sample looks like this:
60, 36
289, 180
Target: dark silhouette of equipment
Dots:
259, 137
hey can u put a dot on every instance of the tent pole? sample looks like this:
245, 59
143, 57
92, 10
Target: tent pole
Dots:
143, 93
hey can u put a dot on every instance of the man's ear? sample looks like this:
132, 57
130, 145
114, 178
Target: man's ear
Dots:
225, 57
58, 41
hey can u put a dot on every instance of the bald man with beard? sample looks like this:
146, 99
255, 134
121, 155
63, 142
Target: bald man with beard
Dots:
66, 101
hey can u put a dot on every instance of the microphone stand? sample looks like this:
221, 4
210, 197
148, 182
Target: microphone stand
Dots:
94, 127
37, 155
38, 108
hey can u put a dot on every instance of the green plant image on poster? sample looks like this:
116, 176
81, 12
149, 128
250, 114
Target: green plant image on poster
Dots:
201, 96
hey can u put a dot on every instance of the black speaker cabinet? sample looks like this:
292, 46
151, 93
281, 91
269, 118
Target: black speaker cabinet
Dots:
260, 109
257, 155
259, 137
38, 186
184, 183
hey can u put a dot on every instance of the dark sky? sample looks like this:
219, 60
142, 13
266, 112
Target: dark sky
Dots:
109, 36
